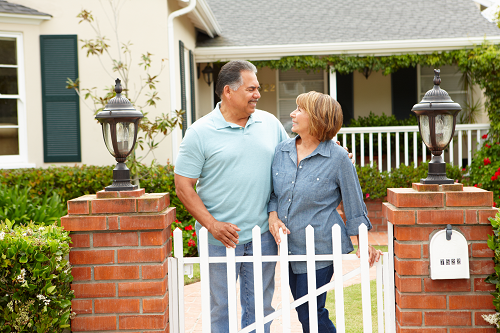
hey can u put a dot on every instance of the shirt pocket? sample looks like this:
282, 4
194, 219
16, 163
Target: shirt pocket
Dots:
319, 189
281, 182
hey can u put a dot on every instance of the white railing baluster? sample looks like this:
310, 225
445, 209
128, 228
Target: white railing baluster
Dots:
231, 290
205, 280
407, 151
173, 297
478, 137
460, 149
339, 283
469, 147
451, 152
371, 149
389, 151
179, 254
344, 140
285, 298
380, 151
398, 150
257, 276
354, 146
365, 279
362, 144
311, 280
415, 149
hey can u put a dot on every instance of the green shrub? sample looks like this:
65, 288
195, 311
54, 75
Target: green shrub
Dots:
35, 278
494, 278
374, 183
21, 207
484, 170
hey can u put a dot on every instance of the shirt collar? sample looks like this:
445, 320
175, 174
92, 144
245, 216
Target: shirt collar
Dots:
221, 123
322, 149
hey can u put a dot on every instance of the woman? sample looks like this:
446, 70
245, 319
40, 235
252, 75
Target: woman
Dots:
311, 175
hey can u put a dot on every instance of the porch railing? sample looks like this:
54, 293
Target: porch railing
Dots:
462, 146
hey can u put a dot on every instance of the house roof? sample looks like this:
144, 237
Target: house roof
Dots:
13, 8
264, 24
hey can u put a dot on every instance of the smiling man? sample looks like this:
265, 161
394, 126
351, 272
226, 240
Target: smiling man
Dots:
228, 155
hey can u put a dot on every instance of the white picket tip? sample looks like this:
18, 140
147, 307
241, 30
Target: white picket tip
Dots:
257, 276
205, 280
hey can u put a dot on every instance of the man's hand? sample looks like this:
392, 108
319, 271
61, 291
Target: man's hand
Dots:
373, 255
274, 226
348, 154
225, 232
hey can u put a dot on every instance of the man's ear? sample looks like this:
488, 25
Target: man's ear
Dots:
227, 92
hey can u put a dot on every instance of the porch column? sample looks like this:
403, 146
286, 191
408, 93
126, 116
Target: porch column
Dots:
440, 306
121, 241
333, 83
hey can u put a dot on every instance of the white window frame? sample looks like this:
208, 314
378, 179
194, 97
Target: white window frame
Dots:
21, 160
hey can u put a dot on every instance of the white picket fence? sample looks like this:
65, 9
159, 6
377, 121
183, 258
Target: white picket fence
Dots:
384, 274
461, 146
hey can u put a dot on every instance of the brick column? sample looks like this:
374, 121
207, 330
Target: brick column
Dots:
121, 241
440, 306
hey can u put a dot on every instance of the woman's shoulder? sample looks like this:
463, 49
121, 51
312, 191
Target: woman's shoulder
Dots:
285, 143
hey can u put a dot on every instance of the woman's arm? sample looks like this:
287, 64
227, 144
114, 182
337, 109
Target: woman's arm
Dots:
274, 226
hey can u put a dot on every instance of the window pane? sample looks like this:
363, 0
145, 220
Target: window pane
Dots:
8, 81
9, 141
8, 112
8, 51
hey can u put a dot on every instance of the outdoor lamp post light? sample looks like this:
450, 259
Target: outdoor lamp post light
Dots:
437, 117
120, 123
208, 74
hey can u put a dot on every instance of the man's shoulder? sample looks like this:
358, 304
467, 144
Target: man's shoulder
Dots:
283, 143
205, 122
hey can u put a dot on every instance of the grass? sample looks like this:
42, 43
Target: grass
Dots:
196, 275
353, 308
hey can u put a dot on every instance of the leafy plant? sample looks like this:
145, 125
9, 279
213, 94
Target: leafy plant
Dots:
20, 207
485, 168
35, 278
494, 278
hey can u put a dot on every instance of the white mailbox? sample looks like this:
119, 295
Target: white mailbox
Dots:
449, 255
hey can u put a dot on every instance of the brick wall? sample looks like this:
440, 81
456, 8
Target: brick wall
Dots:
440, 306
375, 214
121, 241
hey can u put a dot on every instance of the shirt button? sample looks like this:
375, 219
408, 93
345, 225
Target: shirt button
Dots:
285, 216
300, 166
317, 178
241, 127
289, 199
293, 182
276, 173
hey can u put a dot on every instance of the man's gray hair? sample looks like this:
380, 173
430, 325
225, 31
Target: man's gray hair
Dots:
230, 75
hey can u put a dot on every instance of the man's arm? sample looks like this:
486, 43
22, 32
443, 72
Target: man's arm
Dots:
224, 232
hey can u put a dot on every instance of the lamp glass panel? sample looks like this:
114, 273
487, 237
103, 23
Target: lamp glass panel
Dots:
444, 128
425, 130
106, 128
124, 137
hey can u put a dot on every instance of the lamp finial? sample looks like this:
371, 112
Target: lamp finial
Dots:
118, 86
437, 78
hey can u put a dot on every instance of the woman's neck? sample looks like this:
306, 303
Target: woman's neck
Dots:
305, 145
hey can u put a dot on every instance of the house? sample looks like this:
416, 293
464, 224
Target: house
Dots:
43, 123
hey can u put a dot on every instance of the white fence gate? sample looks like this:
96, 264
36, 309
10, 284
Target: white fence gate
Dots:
384, 284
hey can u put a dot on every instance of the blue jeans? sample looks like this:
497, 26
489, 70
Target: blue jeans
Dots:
218, 284
298, 286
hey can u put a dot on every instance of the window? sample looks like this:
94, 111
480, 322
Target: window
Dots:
186, 65
451, 81
13, 136
293, 83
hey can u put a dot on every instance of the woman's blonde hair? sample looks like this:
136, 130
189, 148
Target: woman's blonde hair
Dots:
325, 114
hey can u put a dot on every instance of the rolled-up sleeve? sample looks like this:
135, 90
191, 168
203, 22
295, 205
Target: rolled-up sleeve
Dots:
352, 198
273, 203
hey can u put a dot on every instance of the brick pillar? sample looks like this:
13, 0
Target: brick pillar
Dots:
440, 306
121, 241
375, 214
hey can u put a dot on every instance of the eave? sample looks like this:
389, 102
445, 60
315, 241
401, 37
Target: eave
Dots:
23, 18
373, 48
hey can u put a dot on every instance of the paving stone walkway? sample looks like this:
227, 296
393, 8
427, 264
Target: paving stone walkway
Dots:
192, 293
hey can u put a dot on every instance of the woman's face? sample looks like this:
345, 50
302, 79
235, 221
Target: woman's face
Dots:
300, 121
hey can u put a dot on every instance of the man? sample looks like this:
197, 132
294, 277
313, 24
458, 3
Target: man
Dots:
228, 155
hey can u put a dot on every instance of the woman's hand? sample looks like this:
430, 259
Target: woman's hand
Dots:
373, 254
351, 156
274, 226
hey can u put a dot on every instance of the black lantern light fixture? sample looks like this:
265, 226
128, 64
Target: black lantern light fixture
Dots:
437, 118
208, 74
120, 123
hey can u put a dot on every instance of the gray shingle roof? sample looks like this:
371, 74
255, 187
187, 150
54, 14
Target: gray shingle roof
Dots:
13, 8
273, 22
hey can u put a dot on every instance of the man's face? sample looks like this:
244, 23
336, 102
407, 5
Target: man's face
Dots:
245, 98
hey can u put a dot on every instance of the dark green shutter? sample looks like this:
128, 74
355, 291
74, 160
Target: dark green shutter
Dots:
193, 92
61, 107
404, 92
345, 95
183, 86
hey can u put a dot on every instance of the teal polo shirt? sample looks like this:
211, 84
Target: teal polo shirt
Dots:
233, 168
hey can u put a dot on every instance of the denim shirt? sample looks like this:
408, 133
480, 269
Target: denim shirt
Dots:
308, 194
